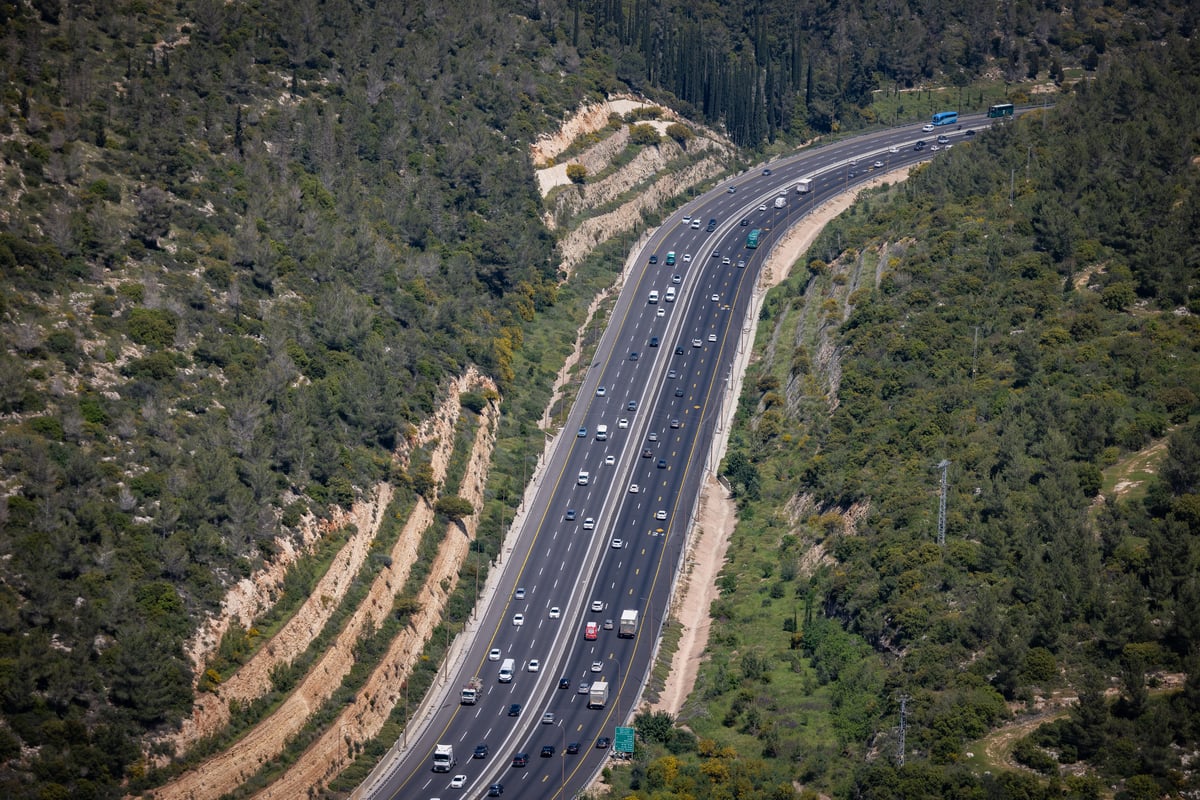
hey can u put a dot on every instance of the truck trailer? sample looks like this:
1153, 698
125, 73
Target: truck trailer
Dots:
598, 694
804, 186
629, 622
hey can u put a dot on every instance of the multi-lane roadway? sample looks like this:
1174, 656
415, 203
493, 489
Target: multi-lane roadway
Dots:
593, 545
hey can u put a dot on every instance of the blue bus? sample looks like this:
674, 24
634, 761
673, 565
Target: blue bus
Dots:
752, 239
945, 118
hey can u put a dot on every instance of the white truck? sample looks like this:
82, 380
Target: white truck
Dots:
804, 186
598, 694
628, 626
470, 692
443, 758
780, 202
601, 433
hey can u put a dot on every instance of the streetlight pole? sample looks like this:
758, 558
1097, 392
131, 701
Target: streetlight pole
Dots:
562, 757
618, 690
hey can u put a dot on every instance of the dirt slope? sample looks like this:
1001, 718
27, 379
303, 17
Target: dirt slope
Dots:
364, 718
225, 771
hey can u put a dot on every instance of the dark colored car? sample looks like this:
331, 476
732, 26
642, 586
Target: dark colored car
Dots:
968, 132
547, 751
570, 514
646, 453
678, 349
572, 748
520, 759
632, 406
564, 683
653, 259
744, 223
662, 463
654, 341
481, 751
767, 171
920, 145
514, 710
603, 742
495, 790
679, 392
633, 356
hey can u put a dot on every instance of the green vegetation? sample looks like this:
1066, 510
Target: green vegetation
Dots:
244, 247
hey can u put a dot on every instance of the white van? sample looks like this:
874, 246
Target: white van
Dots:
506, 670
601, 433
653, 296
670, 296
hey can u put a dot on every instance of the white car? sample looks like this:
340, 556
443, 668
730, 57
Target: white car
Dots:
877, 165
582, 480
610, 460
687, 218
633, 488
927, 127
716, 298
520, 593
622, 423
494, 654
712, 337
589, 524
458, 781
660, 514
662, 312
534, 665
597, 605
676, 278
597, 666
697, 343
687, 258
518, 620
893, 149
763, 207
555, 612
617, 544
600, 391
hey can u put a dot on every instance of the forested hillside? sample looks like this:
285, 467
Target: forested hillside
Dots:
772, 69
1024, 308
245, 246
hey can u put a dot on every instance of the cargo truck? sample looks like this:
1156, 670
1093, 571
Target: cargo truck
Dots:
628, 628
804, 186
470, 692
598, 694
443, 758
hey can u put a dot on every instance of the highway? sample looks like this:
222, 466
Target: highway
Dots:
659, 383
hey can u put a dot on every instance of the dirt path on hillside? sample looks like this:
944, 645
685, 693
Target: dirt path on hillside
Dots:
364, 718
253, 679
718, 512
227, 770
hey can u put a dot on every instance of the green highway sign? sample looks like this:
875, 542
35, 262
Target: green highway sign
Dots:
623, 741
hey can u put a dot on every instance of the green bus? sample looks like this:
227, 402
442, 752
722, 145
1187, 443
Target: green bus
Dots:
752, 239
1001, 110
